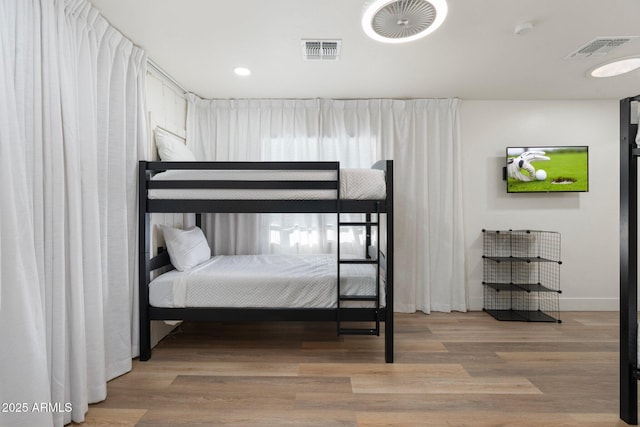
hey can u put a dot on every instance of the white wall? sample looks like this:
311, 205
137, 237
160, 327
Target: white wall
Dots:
588, 222
167, 107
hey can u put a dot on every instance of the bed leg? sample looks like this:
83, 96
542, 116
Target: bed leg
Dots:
145, 341
388, 337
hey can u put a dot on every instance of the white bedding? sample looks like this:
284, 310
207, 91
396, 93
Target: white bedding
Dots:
355, 184
274, 281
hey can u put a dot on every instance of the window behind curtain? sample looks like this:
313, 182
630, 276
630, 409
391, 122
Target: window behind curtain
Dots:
304, 233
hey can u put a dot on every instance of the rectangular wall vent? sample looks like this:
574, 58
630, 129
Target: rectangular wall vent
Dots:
321, 50
599, 46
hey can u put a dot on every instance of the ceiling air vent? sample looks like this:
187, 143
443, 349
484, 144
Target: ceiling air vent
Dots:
321, 50
599, 46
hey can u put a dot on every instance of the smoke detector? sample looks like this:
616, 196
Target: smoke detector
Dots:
400, 21
321, 50
523, 28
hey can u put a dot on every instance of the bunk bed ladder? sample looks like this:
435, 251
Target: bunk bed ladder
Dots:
375, 297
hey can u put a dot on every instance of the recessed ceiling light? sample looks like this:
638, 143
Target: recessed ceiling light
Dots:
616, 68
242, 71
401, 21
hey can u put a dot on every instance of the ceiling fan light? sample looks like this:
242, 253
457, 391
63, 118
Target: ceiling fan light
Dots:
402, 21
616, 68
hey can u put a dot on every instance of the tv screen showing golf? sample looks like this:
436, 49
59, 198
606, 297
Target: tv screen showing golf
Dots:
547, 169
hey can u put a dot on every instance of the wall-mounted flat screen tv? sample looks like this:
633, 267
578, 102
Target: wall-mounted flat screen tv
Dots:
547, 169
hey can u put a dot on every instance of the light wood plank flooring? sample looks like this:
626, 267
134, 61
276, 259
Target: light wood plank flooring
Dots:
458, 369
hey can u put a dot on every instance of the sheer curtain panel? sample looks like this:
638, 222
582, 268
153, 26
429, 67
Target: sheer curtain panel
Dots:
422, 136
72, 127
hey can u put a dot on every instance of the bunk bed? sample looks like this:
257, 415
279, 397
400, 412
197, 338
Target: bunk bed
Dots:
629, 152
275, 187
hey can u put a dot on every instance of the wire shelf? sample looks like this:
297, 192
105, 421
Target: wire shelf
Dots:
521, 275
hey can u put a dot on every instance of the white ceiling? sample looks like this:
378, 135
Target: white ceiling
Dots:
474, 55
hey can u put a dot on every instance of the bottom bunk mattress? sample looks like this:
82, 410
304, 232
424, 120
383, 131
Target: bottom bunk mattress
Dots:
264, 281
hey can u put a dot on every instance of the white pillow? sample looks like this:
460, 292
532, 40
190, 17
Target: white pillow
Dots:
171, 148
187, 248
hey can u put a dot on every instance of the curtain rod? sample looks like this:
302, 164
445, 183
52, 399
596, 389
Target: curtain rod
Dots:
152, 64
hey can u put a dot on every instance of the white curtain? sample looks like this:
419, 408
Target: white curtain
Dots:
422, 136
72, 127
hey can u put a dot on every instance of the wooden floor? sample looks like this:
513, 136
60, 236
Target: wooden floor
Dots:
458, 369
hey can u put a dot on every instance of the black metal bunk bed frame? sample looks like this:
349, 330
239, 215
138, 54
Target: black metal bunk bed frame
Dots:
380, 208
629, 153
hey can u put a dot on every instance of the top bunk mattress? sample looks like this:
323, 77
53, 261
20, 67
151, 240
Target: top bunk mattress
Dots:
355, 184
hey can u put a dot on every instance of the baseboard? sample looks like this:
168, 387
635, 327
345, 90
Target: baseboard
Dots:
589, 304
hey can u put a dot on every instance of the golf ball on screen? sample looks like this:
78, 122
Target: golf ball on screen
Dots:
541, 175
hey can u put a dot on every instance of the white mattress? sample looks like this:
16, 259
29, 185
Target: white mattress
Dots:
274, 281
355, 184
